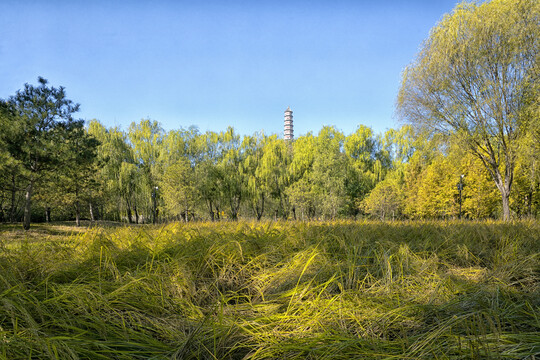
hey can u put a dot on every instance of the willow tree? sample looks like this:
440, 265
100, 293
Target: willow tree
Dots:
477, 76
146, 138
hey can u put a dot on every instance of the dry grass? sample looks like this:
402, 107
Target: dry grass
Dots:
343, 290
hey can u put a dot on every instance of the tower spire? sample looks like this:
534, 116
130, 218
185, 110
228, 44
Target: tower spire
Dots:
288, 132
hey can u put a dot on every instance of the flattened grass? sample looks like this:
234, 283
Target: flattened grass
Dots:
342, 290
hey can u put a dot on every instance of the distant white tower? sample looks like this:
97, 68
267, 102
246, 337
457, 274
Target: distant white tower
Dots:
288, 134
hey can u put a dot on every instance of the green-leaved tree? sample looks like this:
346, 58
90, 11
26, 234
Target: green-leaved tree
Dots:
40, 123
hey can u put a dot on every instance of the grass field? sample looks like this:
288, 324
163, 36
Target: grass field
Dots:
342, 290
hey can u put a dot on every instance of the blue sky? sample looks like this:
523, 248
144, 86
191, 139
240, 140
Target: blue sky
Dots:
219, 63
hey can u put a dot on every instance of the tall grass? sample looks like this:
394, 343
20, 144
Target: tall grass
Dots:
341, 290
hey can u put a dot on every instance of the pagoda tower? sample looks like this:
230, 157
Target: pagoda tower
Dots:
288, 134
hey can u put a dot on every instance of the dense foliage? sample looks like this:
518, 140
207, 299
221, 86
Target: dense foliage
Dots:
477, 78
471, 100
187, 175
272, 290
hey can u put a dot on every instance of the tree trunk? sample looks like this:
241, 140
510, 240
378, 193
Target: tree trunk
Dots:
504, 186
154, 211
91, 208
129, 215
260, 210
28, 205
186, 206
48, 214
77, 207
529, 204
234, 203
77, 213
136, 214
13, 196
128, 211
210, 209
505, 204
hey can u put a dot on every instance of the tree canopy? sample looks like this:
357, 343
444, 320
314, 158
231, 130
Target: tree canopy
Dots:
477, 76
37, 128
470, 103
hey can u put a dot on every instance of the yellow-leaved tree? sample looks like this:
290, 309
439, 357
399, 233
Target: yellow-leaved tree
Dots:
478, 76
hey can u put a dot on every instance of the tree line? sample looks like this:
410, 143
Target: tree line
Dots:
468, 147
145, 174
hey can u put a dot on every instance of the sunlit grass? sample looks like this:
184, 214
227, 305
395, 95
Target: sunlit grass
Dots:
342, 290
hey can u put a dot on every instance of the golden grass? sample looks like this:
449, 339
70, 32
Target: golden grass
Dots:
247, 290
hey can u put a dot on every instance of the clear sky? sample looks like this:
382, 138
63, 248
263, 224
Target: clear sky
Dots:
219, 63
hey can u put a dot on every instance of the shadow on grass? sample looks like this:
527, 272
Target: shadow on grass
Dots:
334, 291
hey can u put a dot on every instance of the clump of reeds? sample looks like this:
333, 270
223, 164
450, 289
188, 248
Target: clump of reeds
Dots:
341, 290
